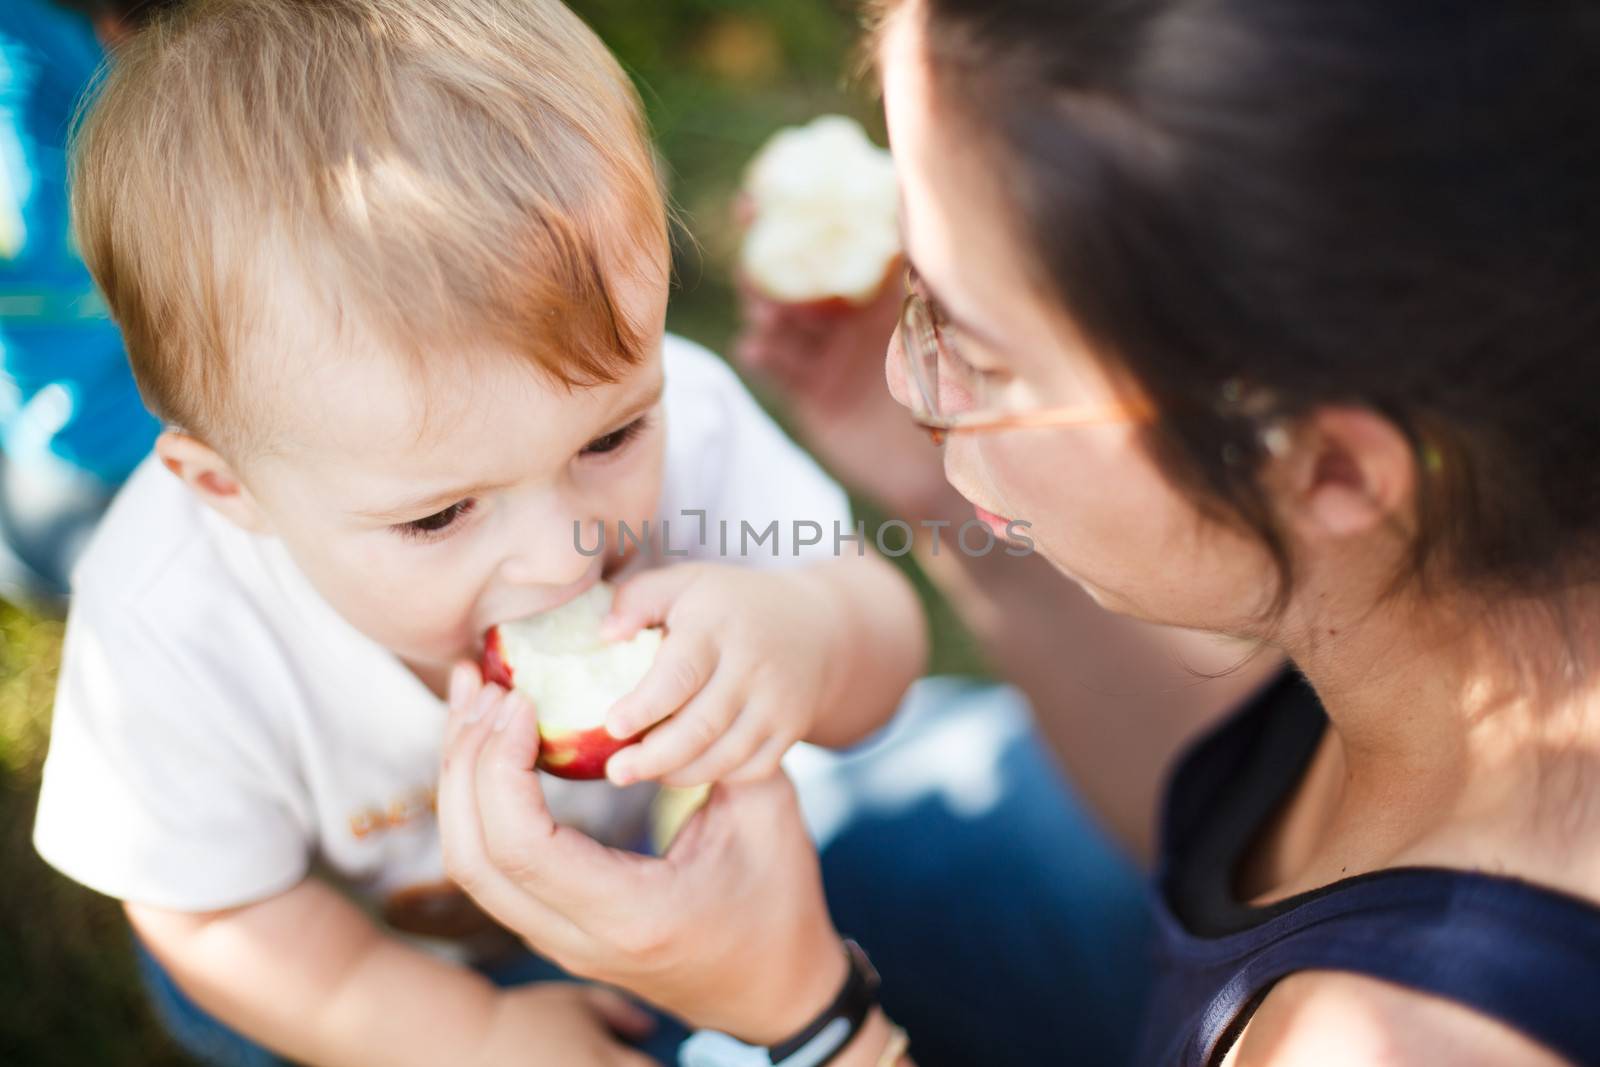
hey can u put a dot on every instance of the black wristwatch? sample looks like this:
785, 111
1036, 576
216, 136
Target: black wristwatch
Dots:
819, 1043
829, 1033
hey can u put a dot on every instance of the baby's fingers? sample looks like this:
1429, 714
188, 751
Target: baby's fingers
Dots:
680, 739
645, 600
682, 668
763, 764
734, 749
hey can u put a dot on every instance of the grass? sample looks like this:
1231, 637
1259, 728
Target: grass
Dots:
717, 77
68, 994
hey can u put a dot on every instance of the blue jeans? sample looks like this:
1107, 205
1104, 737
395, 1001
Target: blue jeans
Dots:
211, 1042
1007, 928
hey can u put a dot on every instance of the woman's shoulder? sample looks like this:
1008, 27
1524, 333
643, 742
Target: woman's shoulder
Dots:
1331, 1019
1527, 903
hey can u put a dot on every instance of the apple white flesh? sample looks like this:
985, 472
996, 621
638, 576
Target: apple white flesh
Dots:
824, 211
558, 660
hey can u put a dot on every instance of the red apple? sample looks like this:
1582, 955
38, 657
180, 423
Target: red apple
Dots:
572, 677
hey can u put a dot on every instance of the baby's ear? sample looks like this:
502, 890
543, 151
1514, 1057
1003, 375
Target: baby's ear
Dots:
211, 478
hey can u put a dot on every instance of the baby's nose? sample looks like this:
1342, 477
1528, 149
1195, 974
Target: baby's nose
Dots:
548, 567
553, 553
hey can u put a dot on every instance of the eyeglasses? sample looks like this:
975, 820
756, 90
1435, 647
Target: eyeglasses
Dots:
950, 395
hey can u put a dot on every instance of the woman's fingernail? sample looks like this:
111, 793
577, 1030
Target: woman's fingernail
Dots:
486, 697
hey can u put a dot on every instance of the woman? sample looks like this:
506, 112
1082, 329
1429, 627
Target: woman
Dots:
1275, 318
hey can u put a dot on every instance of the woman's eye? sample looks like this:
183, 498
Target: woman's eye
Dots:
953, 345
952, 342
616, 439
953, 349
437, 523
991, 375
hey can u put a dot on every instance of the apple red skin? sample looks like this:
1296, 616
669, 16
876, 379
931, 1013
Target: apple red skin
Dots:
494, 666
833, 307
580, 755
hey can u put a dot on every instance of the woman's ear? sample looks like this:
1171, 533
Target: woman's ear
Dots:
211, 478
1347, 471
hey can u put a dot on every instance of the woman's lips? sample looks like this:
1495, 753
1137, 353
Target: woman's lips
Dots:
995, 522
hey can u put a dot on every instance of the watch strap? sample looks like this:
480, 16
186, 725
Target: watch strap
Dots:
828, 1034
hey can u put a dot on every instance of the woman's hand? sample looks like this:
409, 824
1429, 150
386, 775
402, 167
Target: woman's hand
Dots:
729, 930
565, 1023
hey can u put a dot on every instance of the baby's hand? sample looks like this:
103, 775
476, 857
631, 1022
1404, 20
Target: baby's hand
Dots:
739, 677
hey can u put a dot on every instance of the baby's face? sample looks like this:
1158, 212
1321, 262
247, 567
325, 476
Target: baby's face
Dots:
426, 507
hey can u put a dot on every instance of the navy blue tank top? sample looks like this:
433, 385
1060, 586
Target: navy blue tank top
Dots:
1526, 956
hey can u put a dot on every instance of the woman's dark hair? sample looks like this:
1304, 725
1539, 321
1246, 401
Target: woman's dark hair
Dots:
1263, 206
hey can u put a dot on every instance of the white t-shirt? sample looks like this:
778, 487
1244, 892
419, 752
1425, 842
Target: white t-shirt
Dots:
219, 728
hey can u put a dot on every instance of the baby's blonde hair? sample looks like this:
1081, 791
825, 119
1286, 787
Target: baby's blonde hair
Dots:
438, 171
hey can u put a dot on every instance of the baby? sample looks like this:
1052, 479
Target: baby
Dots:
394, 274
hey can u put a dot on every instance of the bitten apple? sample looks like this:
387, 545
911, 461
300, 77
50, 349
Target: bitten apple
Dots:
823, 216
559, 662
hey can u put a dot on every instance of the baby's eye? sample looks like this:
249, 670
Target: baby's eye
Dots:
436, 524
616, 439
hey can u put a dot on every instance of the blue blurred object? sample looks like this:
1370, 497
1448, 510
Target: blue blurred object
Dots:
72, 424
198, 1034
1008, 927
215, 1044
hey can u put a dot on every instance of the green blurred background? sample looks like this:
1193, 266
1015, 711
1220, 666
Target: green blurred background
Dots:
717, 77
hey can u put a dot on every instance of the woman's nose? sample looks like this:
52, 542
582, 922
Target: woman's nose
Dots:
894, 372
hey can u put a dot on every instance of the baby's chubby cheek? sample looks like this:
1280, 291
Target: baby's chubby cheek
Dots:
429, 636
433, 626
420, 616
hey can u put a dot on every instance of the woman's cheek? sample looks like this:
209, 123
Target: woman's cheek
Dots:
1080, 499
1028, 482
967, 468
